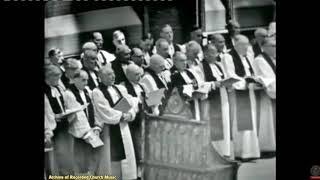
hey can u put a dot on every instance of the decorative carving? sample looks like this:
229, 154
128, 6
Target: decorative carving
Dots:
177, 106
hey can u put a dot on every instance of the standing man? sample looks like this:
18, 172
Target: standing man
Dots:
162, 47
166, 32
137, 57
233, 28
219, 102
121, 63
56, 58
71, 66
90, 66
153, 79
260, 35
243, 101
63, 142
104, 57
135, 89
265, 70
115, 133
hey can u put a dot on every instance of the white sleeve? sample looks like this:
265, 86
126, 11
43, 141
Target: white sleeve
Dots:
49, 117
103, 112
79, 124
133, 101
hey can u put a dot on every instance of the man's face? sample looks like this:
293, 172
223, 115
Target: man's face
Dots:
125, 55
98, 40
163, 49
137, 57
211, 55
261, 37
53, 80
220, 43
121, 40
135, 76
167, 33
235, 30
81, 82
57, 58
108, 78
270, 49
181, 62
90, 63
197, 36
242, 47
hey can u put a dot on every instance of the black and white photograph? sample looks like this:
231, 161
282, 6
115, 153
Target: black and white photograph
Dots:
160, 90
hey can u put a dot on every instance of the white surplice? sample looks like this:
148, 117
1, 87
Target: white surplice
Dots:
223, 146
105, 115
266, 131
150, 85
245, 142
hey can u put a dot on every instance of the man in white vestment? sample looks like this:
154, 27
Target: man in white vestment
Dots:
135, 89
219, 102
264, 66
118, 146
162, 47
153, 79
104, 57
242, 101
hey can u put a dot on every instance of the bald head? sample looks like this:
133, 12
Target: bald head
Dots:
241, 44
260, 34
218, 41
162, 46
193, 49
180, 60
90, 59
134, 73
89, 46
157, 63
106, 74
210, 53
123, 53
137, 56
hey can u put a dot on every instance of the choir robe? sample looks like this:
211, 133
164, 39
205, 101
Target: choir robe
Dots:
118, 146
184, 78
119, 69
63, 142
243, 112
219, 109
49, 125
104, 57
265, 70
152, 82
136, 126
82, 122
93, 80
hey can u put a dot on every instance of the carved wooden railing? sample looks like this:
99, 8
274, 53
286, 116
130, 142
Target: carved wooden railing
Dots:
177, 147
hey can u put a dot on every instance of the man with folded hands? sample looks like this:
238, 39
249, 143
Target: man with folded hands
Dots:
117, 155
62, 140
242, 98
83, 122
135, 89
219, 102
